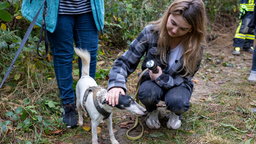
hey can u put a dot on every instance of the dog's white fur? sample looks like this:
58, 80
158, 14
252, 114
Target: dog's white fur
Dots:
82, 85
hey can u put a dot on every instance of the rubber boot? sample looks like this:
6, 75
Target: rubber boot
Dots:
174, 121
152, 121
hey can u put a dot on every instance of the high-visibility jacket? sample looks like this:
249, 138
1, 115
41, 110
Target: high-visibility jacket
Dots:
249, 4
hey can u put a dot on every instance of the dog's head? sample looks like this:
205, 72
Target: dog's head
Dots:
127, 103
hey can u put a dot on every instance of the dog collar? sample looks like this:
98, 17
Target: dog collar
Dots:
96, 103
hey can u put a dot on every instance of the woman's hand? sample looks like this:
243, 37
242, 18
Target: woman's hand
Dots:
153, 76
113, 95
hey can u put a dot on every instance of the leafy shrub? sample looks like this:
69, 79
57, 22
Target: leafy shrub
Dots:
4, 15
126, 19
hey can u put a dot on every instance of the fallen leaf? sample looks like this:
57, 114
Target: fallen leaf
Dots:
195, 81
212, 114
8, 130
252, 103
3, 26
124, 126
20, 101
48, 57
100, 63
250, 135
56, 132
114, 130
18, 17
98, 130
221, 82
104, 137
214, 104
87, 126
244, 137
127, 122
191, 131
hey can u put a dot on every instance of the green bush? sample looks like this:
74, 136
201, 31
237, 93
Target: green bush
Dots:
125, 19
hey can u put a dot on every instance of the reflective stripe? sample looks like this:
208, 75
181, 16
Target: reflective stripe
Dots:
249, 36
240, 36
249, 5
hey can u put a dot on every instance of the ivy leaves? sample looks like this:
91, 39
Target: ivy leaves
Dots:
4, 15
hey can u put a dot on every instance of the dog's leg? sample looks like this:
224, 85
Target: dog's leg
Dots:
94, 127
110, 129
79, 109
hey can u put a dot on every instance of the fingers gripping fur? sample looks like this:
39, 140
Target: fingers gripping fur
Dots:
86, 58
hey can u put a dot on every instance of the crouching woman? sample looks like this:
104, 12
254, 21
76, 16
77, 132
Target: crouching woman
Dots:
174, 43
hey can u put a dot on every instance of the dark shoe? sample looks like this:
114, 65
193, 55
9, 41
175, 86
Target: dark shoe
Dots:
250, 50
69, 115
236, 51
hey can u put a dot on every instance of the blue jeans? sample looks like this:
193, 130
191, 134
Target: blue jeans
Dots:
176, 99
81, 30
254, 58
254, 61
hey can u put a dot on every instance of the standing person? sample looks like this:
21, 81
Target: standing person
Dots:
252, 24
75, 21
244, 36
173, 41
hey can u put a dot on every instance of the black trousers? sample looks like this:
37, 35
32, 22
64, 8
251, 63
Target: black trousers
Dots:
244, 39
176, 99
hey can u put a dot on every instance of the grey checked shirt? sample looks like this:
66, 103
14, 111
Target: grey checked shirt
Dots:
146, 43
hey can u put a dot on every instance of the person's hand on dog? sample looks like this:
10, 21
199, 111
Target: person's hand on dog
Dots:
153, 76
113, 95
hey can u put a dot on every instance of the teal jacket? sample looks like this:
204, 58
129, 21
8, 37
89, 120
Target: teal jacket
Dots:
29, 11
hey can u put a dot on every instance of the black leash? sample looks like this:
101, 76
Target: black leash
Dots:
43, 30
24, 40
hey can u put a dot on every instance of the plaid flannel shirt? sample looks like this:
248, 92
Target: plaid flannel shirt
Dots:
146, 42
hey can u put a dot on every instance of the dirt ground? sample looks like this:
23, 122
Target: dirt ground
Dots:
220, 52
208, 80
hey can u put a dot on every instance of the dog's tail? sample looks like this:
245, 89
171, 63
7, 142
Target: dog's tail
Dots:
86, 58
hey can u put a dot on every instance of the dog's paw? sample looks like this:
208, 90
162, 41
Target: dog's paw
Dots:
95, 142
114, 142
81, 124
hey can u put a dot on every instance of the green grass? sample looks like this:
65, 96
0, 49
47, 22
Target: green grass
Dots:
223, 116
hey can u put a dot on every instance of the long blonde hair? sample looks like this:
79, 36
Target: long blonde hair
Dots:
193, 12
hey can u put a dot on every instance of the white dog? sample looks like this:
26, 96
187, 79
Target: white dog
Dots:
92, 98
